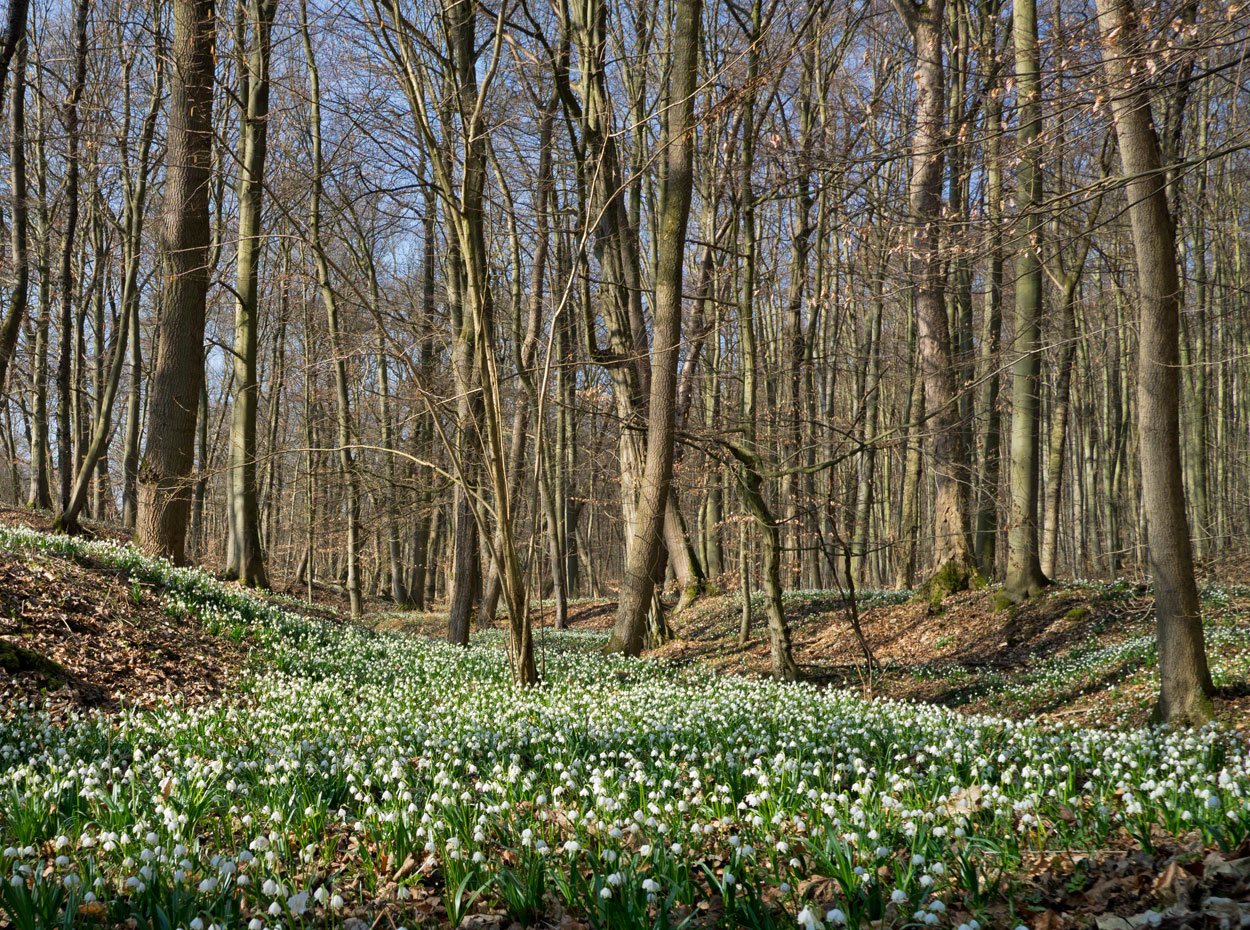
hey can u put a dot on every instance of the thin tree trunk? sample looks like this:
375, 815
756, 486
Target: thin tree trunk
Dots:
329, 299
66, 395
248, 557
16, 313
40, 494
986, 540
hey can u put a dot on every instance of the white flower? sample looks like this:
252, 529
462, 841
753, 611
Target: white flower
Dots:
809, 920
836, 916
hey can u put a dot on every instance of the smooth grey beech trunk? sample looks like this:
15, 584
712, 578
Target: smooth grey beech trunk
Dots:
247, 563
1185, 680
1024, 569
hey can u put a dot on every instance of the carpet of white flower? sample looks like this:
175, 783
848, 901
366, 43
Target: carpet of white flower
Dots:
352, 767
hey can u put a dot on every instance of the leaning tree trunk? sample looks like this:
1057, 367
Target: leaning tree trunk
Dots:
135, 185
1185, 680
174, 386
645, 560
18, 226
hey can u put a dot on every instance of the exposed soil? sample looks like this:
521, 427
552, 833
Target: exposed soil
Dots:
75, 634
961, 656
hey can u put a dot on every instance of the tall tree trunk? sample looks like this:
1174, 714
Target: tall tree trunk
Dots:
130, 454
1194, 334
1185, 680
867, 425
16, 313
174, 386
986, 539
66, 394
952, 556
466, 562
1059, 417
427, 505
1024, 570
248, 557
909, 506
40, 494
343, 417
644, 561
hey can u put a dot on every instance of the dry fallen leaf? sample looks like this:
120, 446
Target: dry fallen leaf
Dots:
1048, 920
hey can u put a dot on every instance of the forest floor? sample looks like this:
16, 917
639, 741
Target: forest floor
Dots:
1134, 842
75, 633
1082, 652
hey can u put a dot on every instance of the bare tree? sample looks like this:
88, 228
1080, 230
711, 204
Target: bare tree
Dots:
1186, 687
174, 386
